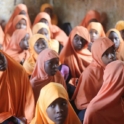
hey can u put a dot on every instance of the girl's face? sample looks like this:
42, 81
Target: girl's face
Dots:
114, 38
57, 111
44, 21
40, 45
109, 55
3, 62
51, 66
21, 24
24, 42
78, 42
44, 32
94, 35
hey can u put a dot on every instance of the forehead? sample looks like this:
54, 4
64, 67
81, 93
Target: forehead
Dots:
113, 34
41, 40
43, 30
53, 59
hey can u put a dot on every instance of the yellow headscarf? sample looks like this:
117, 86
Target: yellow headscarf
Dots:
29, 64
120, 25
54, 19
48, 94
53, 44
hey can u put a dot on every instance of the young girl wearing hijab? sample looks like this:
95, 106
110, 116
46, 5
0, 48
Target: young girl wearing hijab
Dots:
56, 32
20, 9
91, 79
45, 71
49, 9
75, 54
37, 43
16, 94
41, 28
96, 30
108, 106
18, 46
53, 106
91, 16
120, 27
19, 22
115, 37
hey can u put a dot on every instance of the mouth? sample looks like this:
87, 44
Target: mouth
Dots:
59, 118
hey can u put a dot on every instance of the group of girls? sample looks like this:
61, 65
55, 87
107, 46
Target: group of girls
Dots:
48, 76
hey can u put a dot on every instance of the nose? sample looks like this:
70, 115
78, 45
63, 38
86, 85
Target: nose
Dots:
93, 34
58, 108
79, 42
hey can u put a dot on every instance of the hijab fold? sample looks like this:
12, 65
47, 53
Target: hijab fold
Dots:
108, 101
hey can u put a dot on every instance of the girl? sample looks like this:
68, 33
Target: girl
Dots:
18, 46
107, 106
37, 43
75, 54
115, 37
53, 106
41, 28
46, 70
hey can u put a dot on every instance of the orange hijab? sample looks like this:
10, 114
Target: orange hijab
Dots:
13, 49
29, 64
48, 94
91, 79
76, 60
56, 32
120, 50
120, 25
98, 27
108, 105
92, 14
15, 92
39, 77
16, 12
16, 20
54, 19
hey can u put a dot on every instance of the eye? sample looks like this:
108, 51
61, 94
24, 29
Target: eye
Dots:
52, 106
64, 103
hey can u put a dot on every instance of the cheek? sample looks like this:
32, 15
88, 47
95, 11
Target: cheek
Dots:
50, 112
17, 26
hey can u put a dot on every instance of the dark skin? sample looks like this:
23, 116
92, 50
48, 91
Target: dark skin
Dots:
44, 21
122, 34
113, 36
49, 11
44, 31
57, 111
78, 42
109, 55
24, 42
40, 45
21, 24
3, 62
51, 66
